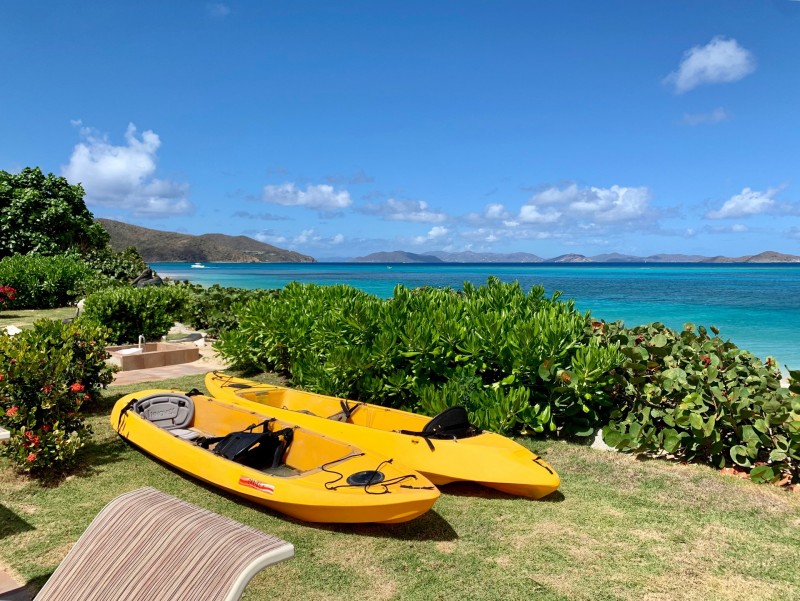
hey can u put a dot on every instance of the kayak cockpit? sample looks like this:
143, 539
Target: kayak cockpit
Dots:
240, 435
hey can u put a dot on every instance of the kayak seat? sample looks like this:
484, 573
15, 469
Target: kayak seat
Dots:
260, 450
170, 411
453, 423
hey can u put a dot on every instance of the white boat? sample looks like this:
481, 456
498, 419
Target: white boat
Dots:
198, 266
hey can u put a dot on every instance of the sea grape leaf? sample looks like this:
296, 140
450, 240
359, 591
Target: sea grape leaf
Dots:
762, 474
739, 455
777, 455
672, 440
659, 340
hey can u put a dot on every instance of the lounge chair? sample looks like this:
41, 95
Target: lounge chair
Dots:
149, 546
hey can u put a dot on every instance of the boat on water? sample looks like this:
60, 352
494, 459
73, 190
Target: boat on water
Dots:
198, 266
273, 461
444, 449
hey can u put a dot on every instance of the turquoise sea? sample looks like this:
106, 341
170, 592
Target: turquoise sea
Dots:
755, 306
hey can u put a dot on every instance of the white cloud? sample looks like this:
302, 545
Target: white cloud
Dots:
556, 196
496, 211
310, 238
415, 211
435, 233
748, 202
716, 116
306, 236
321, 197
218, 9
593, 205
532, 214
719, 61
122, 176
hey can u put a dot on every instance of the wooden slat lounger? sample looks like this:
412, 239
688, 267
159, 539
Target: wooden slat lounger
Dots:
149, 546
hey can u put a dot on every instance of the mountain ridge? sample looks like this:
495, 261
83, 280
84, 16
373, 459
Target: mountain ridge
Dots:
163, 246
438, 256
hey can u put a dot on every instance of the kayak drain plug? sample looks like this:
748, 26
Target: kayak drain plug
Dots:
365, 478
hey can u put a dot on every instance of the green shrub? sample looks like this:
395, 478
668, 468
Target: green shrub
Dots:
45, 282
47, 373
130, 312
45, 215
702, 399
121, 266
212, 309
518, 361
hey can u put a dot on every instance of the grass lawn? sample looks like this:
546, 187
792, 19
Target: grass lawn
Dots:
620, 528
23, 318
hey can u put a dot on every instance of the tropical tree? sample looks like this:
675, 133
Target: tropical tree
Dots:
45, 215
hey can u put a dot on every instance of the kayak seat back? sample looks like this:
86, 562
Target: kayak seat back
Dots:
453, 422
166, 410
260, 450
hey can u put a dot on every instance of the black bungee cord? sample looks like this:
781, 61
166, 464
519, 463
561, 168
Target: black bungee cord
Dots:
385, 484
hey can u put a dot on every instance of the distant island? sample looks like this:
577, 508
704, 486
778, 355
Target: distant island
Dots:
159, 246
400, 256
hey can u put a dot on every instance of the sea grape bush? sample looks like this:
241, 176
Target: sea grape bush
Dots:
212, 309
48, 373
523, 363
119, 267
702, 399
45, 215
45, 282
518, 361
130, 312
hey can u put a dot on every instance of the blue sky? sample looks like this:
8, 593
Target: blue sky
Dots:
342, 128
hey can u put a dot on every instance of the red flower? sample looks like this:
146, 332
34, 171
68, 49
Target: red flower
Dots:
47, 388
705, 360
76, 387
47, 428
12, 411
87, 397
31, 457
33, 440
1, 377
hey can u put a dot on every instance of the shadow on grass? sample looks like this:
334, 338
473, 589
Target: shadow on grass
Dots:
472, 489
11, 523
91, 457
429, 526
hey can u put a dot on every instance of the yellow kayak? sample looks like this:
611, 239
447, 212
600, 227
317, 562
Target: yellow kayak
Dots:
274, 461
445, 448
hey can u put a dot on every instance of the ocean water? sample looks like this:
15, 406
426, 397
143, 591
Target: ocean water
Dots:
755, 306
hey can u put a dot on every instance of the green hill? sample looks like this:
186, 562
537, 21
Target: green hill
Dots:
157, 246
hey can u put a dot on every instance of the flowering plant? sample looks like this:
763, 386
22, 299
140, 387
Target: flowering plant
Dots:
47, 374
7, 293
